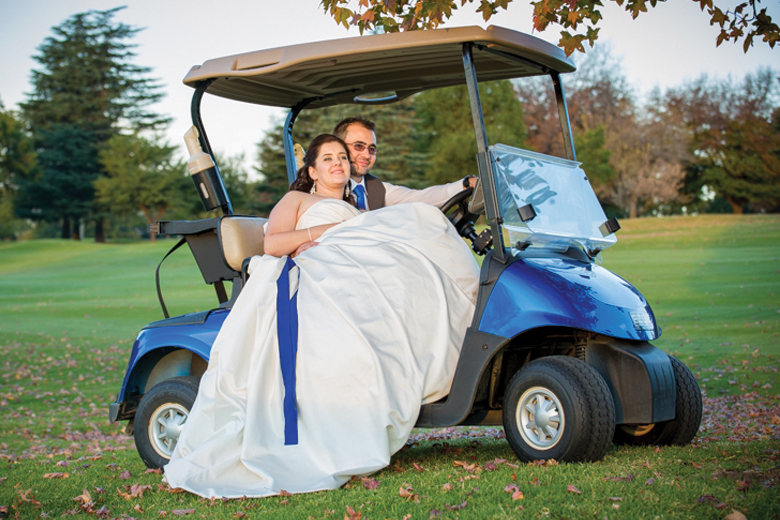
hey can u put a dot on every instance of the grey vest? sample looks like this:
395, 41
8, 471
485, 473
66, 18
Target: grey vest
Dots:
375, 192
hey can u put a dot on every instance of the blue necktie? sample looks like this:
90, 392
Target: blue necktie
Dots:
360, 193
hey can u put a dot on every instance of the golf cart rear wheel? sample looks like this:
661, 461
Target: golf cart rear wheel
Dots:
560, 408
687, 415
160, 417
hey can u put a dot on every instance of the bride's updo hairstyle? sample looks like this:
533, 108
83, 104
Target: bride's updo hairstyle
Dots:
303, 182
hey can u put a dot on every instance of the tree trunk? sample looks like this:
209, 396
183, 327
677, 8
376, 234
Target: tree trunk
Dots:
65, 228
149, 222
100, 235
632, 208
736, 207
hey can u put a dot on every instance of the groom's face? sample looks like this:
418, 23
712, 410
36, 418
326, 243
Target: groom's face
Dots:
358, 136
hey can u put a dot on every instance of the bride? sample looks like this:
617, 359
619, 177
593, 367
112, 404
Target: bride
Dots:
319, 371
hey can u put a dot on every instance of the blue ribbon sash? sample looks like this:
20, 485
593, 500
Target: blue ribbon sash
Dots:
287, 329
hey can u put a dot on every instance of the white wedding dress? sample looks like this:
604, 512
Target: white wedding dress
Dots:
383, 305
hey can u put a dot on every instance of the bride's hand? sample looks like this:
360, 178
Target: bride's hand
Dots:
303, 247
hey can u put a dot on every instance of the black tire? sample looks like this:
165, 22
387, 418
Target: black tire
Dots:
583, 427
687, 415
162, 412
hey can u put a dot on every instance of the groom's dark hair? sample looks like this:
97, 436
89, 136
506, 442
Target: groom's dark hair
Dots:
340, 130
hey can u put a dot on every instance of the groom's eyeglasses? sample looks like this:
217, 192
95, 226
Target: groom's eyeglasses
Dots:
359, 146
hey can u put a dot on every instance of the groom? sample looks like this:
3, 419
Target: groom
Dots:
370, 191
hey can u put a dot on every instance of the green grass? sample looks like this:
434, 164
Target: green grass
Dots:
69, 313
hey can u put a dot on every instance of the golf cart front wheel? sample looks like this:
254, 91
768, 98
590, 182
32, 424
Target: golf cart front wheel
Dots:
560, 408
687, 415
160, 417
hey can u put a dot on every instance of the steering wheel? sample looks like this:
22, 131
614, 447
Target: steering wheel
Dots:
463, 220
456, 209
459, 200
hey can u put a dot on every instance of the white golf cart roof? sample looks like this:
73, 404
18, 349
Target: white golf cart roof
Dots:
337, 71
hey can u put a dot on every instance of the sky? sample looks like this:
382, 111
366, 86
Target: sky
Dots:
665, 47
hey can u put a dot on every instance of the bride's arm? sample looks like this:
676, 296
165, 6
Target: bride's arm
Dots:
282, 238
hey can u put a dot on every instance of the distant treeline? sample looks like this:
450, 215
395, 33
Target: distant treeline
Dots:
84, 156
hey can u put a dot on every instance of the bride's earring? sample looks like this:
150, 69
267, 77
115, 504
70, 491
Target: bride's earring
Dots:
313, 189
347, 191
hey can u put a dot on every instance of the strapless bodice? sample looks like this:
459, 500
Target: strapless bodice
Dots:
326, 211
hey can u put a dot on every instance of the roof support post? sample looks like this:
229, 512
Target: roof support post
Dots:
287, 138
484, 161
563, 115
227, 207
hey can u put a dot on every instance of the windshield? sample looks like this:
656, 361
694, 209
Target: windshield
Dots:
567, 210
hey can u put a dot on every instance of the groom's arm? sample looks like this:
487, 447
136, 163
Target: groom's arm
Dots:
435, 195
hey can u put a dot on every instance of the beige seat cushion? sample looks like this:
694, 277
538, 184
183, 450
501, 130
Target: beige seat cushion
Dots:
240, 238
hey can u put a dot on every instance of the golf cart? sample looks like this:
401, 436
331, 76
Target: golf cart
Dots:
558, 350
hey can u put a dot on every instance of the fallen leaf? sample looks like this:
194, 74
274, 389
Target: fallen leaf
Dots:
650, 481
735, 515
352, 514
447, 486
459, 506
511, 488
370, 483
417, 467
240, 514
517, 495
182, 512
571, 489
138, 508
84, 497
125, 475
283, 493
56, 475
406, 492
151, 470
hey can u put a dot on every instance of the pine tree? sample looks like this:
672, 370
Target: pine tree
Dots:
446, 129
18, 163
86, 91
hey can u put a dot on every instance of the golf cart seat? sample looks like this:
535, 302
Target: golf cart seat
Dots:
240, 238
220, 246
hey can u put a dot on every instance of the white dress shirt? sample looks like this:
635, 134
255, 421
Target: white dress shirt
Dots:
435, 195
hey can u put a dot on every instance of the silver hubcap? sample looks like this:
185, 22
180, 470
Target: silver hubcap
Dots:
540, 418
165, 427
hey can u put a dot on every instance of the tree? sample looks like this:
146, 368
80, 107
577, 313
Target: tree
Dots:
273, 168
642, 147
18, 163
86, 91
734, 143
141, 176
746, 22
595, 159
446, 130
64, 191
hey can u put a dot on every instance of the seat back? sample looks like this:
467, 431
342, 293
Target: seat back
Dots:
240, 237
